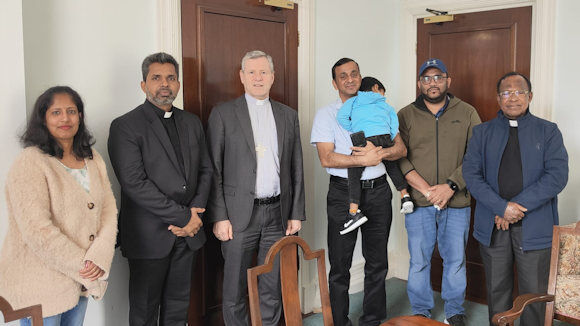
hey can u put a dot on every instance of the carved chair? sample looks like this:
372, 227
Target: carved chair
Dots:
10, 314
288, 249
563, 297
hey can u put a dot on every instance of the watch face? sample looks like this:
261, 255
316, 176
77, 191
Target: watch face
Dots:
452, 185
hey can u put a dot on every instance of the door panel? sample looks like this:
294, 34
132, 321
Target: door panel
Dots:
222, 81
477, 87
215, 36
477, 48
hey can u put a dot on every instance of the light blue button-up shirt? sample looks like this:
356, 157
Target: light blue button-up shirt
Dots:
326, 129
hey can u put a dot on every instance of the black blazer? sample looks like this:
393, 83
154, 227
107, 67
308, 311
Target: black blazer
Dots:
233, 154
155, 193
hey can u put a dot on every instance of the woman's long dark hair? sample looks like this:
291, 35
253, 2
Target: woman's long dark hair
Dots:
37, 134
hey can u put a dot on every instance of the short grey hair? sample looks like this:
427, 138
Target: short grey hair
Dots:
255, 55
160, 57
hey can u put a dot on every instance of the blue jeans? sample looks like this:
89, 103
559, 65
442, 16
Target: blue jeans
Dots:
73, 317
449, 228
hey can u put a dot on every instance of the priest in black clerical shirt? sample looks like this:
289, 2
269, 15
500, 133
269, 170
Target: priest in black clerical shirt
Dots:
160, 157
515, 166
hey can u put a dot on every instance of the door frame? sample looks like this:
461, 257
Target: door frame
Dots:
543, 33
169, 40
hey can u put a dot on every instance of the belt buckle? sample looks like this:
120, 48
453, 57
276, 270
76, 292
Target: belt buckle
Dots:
368, 184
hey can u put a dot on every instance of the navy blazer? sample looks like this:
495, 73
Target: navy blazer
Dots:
544, 170
155, 192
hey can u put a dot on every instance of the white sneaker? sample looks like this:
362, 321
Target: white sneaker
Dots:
407, 205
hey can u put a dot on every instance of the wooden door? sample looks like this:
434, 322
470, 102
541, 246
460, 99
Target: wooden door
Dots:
215, 36
477, 48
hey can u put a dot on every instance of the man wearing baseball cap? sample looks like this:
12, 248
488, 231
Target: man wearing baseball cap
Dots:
436, 128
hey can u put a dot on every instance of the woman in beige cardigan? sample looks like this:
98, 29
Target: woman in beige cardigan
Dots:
62, 215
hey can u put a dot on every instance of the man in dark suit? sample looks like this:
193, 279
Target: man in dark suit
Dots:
258, 185
160, 157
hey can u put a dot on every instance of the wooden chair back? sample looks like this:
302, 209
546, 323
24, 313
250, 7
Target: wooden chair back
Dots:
556, 263
288, 249
560, 234
10, 314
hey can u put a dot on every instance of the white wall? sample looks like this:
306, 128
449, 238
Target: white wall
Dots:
566, 112
12, 95
96, 47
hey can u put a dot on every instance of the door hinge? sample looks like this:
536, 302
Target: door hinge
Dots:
298, 38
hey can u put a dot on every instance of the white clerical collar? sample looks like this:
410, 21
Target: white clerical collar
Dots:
255, 101
168, 115
513, 123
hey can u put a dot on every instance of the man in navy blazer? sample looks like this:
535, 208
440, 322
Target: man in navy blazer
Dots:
160, 157
515, 166
258, 185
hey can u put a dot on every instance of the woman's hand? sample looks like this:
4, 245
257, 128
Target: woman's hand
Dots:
91, 271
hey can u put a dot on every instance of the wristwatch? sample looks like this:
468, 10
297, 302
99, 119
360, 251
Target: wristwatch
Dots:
452, 185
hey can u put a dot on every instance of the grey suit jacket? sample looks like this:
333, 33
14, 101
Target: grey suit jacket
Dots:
232, 150
155, 192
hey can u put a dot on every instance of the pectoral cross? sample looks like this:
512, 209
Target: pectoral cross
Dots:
261, 149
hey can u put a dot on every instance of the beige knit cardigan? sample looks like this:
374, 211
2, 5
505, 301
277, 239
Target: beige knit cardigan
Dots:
54, 226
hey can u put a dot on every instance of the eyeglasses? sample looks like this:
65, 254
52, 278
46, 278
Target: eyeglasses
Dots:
426, 80
508, 94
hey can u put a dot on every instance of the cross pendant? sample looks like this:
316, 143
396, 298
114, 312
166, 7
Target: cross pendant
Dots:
261, 149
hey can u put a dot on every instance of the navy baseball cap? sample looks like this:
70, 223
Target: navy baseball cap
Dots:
432, 63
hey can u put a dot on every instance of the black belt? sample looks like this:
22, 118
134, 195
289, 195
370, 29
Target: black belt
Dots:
365, 184
267, 200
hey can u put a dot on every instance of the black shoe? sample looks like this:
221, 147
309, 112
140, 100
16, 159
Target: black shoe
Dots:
353, 222
456, 320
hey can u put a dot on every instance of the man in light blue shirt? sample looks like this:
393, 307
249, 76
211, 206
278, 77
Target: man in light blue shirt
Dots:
334, 148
